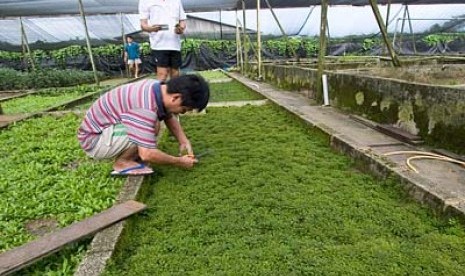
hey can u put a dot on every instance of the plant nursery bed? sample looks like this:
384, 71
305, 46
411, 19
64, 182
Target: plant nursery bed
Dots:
213, 75
232, 91
46, 98
436, 74
272, 198
47, 182
11, 94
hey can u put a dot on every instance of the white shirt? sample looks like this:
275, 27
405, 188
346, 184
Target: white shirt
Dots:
163, 12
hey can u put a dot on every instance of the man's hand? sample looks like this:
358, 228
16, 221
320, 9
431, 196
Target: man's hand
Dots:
179, 29
154, 28
185, 148
187, 161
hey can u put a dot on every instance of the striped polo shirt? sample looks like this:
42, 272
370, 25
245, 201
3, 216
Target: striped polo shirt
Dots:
135, 105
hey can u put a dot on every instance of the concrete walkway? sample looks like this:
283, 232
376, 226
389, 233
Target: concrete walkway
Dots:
438, 183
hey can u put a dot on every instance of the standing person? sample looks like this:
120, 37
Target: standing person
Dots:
165, 20
132, 56
123, 124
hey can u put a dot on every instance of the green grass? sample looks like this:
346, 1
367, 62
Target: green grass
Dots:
212, 74
45, 175
232, 91
45, 99
273, 199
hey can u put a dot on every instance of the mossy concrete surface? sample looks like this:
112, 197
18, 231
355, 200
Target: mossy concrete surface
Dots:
434, 112
438, 184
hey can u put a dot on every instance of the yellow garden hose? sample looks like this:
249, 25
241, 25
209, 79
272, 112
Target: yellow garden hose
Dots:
424, 155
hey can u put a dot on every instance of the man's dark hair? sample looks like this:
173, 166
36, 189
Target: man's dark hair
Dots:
193, 88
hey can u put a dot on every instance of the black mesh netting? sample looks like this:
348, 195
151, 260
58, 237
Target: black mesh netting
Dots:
205, 58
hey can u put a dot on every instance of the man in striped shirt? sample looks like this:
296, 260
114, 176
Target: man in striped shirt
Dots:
124, 123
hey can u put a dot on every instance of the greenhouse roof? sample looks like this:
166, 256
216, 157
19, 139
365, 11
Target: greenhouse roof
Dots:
12, 8
52, 24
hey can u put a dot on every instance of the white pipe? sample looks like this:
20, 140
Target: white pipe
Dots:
259, 42
324, 78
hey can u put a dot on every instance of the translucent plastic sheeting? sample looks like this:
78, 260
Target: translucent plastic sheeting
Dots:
57, 7
252, 4
69, 29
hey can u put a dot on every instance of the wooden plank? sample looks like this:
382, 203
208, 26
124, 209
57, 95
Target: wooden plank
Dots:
25, 255
386, 145
399, 134
363, 120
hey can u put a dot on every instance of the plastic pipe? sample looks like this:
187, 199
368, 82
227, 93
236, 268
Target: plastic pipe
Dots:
324, 78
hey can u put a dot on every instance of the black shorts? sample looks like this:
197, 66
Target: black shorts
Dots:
167, 58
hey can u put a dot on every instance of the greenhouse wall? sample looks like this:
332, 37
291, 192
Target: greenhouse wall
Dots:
436, 113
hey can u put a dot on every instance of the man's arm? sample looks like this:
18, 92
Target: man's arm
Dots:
159, 157
180, 27
183, 24
175, 127
144, 25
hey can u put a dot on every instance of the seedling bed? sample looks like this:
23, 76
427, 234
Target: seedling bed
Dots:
435, 74
47, 99
213, 75
46, 182
6, 95
272, 198
232, 91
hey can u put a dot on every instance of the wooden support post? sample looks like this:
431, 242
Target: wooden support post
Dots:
239, 60
29, 253
388, 15
322, 52
25, 43
402, 26
411, 29
123, 35
221, 26
89, 48
280, 27
374, 7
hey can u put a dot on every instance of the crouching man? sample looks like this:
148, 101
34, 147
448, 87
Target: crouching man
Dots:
123, 124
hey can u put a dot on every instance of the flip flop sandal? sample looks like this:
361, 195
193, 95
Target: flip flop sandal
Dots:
129, 171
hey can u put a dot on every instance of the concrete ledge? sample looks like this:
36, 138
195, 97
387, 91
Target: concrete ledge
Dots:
418, 188
237, 103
